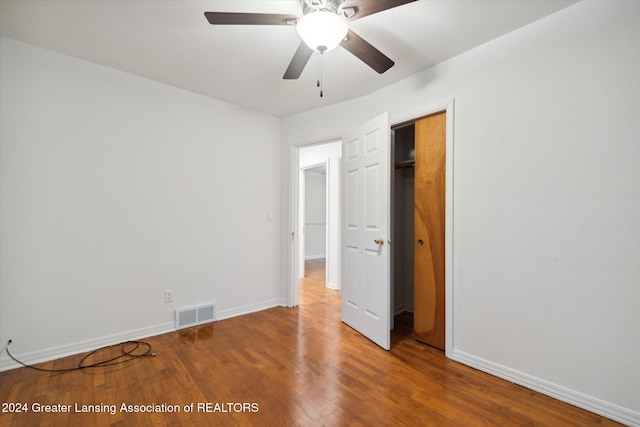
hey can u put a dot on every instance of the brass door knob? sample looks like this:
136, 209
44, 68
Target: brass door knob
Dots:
379, 241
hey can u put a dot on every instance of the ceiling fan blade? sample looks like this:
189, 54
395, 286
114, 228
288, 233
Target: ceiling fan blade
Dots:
298, 62
232, 18
368, 54
356, 9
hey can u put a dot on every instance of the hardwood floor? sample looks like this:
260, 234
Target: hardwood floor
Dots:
285, 367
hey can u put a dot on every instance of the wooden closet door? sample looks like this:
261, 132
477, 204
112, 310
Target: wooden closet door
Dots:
429, 229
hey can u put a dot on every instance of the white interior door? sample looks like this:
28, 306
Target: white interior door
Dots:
365, 298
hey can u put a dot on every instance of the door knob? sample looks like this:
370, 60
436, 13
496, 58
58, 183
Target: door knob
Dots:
420, 242
379, 241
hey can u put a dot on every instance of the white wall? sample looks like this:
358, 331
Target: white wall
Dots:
315, 224
115, 188
546, 199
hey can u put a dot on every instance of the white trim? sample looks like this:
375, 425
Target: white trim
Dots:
53, 353
301, 242
420, 111
328, 223
250, 308
292, 236
448, 230
573, 397
401, 308
316, 256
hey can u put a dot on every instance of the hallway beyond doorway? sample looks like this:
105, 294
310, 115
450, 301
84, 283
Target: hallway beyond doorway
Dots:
314, 269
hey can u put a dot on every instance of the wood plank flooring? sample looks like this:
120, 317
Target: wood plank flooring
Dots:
285, 367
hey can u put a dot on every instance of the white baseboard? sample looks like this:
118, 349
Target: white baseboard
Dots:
401, 308
53, 353
573, 397
317, 256
250, 308
332, 286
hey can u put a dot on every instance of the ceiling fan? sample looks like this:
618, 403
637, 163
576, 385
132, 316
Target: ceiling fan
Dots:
322, 27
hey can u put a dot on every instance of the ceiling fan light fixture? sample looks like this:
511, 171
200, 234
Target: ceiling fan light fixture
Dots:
322, 31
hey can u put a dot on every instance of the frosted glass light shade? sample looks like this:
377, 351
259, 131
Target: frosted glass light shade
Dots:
322, 31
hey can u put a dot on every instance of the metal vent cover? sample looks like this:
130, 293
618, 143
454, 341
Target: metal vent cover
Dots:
196, 315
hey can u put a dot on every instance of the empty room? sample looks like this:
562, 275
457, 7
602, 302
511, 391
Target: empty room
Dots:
475, 239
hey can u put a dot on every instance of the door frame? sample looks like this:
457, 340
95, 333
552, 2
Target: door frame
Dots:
293, 251
395, 118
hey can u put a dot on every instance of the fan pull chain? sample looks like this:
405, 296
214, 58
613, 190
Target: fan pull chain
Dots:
321, 49
318, 71
321, 91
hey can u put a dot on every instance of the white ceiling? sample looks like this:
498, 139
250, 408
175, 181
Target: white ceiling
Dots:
170, 41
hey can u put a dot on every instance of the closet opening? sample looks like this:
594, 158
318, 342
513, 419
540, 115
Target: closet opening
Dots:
402, 185
418, 217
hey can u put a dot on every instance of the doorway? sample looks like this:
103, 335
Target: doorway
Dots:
320, 162
314, 196
419, 207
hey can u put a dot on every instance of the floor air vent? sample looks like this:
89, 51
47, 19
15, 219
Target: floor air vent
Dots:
186, 317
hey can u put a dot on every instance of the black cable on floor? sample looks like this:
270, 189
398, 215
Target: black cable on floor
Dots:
126, 355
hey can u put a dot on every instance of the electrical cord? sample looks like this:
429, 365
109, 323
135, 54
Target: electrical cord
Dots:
126, 355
